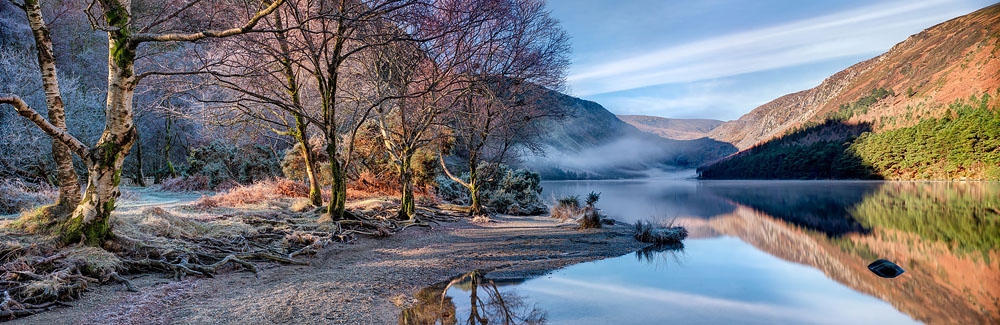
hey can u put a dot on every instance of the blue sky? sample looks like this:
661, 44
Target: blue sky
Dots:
721, 58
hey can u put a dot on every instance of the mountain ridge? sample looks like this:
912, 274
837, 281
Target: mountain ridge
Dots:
926, 72
672, 128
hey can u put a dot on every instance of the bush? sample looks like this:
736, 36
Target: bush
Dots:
221, 161
186, 184
502, 189
567, 207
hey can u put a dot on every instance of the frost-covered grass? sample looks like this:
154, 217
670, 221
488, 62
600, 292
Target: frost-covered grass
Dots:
17, 196
647, 232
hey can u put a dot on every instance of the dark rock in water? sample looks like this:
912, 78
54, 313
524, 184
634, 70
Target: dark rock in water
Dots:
885, 269
608, 221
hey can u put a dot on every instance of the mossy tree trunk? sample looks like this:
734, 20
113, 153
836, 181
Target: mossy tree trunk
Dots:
408, 207
315, 192
91, 221
476, 204
168, 141
328, 82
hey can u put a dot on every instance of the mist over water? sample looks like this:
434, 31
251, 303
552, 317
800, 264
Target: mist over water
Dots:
660, 199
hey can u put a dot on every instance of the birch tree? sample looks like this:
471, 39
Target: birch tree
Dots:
90, 220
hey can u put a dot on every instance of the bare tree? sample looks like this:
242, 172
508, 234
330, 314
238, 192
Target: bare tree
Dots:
90, 221
415, 81
329, 36
517, 50
269, 89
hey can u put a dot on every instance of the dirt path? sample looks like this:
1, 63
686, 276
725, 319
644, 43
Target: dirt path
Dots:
350, 283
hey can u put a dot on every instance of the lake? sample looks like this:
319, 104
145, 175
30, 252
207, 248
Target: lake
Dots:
764, 252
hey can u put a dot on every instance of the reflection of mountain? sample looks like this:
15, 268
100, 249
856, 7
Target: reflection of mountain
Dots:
941, 284
807, 204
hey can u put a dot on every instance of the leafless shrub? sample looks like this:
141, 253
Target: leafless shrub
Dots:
186, 184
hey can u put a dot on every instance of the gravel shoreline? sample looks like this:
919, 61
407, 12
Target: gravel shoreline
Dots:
351, 283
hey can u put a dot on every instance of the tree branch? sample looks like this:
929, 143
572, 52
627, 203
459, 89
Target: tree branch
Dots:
176, 37
23, 109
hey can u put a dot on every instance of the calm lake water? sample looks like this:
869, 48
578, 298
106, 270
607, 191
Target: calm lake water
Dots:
763, 252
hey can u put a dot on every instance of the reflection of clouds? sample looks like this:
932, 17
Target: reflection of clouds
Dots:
635, 304
696, 308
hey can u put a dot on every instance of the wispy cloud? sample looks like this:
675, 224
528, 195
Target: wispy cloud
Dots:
867, 30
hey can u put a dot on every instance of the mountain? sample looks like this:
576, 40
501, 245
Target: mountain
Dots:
670, 128
925, 73
592, 143
925, 109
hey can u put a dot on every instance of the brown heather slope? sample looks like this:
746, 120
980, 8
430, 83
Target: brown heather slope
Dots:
672, 128
927, 71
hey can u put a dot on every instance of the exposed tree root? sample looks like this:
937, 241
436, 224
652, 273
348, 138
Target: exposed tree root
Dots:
37, 275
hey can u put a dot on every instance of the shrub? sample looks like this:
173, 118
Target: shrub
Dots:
588, 216
502, 189
221, 161
186, 184
451, 191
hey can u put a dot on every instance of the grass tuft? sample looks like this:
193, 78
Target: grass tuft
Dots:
647, 232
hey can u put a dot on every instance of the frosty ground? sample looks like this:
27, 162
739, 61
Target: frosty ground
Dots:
368, 280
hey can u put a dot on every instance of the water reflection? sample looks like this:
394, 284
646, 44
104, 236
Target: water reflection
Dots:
655, 254
945, 234
785, 252
487, 304
818, 205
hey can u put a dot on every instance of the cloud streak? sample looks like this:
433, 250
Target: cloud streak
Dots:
865, 30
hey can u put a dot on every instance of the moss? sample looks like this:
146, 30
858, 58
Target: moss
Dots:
108, 153
41, 220
93, 233
122, 50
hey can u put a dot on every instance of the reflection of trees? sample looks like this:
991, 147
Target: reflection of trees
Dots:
966, 216
812, 205
488, 305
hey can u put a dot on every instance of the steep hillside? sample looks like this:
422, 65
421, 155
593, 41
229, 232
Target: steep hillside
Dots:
670, 128
593, 143
924, 73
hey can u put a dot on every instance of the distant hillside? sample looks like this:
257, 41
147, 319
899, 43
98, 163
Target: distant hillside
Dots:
923, 110
592, 143
925, 73
670, 128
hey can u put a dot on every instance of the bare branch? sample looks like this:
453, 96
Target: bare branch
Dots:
23, 109
177, 37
